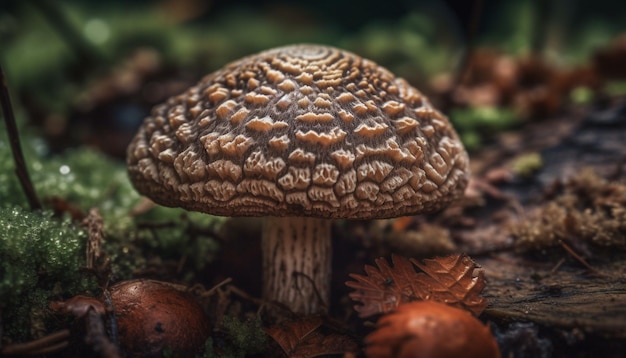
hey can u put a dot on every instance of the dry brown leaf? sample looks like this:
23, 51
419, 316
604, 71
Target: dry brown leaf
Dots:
381, 289
447, 279
451, 280
303, 339
290, 335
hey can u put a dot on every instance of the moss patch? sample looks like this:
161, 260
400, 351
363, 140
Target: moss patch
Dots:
40, 257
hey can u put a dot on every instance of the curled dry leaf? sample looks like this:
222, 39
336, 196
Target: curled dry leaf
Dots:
304, 338
449, 280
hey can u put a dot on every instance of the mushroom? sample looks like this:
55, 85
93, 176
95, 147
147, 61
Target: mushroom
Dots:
430, 329
152, 316
301, 135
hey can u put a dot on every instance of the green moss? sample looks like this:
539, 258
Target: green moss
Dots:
88, 179
82, 178
39, 254
85, 179
174, 233
40, 257
248, 335
245, 338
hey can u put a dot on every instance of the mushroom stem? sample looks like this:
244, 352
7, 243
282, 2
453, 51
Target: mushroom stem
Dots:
297, 262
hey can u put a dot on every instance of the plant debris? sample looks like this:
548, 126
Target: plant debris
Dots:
447, 279
584, 211
304, 337
48, 344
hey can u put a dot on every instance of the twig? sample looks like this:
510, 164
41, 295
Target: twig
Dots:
241, 293
97, 261
50, 343
212, 290
16, 149
557, 266
95, 229
576, 256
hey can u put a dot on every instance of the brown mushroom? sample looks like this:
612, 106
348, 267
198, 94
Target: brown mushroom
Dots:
150, 317
430, 329
153, 316
300, 134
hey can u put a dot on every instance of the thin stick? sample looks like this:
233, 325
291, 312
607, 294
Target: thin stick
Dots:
241, 293
576, 256
557, 266
216, 287
16, 148
54, 340
51, 349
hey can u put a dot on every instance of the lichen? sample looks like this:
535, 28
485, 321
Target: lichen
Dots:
586, 209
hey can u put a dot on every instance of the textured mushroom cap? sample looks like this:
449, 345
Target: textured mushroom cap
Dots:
302, 130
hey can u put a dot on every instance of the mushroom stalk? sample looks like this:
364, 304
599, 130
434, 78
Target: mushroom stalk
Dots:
297, 262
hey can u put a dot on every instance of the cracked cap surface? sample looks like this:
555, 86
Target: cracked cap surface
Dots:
301, 130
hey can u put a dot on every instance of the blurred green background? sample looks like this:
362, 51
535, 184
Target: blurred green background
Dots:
81, 68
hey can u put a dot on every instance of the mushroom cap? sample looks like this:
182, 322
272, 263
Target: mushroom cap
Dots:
430, 329
302, 130
153, 316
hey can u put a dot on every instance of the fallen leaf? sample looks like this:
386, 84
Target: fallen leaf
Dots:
449, 280
303, 338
